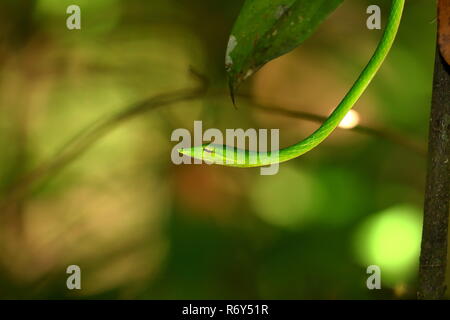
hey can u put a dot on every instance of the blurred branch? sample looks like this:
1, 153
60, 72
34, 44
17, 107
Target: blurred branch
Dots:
382, 133
86, 138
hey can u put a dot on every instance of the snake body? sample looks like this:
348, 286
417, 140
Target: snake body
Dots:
235, 157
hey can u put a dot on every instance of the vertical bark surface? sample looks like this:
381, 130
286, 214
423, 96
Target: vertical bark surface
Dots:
433, 258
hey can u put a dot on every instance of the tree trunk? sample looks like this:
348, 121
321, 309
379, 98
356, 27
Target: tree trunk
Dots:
433, 258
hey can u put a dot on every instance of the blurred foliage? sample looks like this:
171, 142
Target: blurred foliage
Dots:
141, 227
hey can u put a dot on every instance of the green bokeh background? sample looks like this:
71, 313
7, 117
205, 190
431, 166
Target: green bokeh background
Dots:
141, 227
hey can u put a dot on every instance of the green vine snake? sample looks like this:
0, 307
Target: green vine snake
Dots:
234, 157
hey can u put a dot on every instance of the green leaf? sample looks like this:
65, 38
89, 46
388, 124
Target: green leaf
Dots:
267, 29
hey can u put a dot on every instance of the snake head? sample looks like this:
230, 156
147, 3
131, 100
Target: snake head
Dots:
209, 153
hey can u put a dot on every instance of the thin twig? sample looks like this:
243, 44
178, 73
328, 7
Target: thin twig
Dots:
83, 141
382, 133
86, 138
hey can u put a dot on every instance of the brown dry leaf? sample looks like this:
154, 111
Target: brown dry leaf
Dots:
444, 29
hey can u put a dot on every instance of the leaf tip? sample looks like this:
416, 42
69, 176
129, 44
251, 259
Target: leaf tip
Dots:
232, 88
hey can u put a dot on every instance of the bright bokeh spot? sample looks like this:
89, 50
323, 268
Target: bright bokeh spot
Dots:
391, 240
288, 199
351, 120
